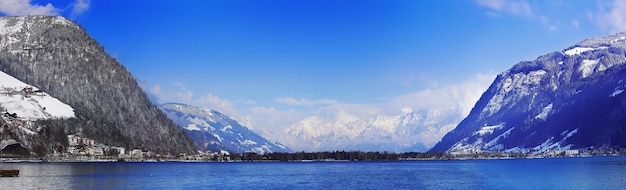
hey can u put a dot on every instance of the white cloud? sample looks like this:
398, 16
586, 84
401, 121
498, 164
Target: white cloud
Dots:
247, 102
493, 4
303, 102
553, 28
462, 96
575, 23
554, 16
79, 7
326, 108
156, 89
514, 7
25, 7
213, 102
272, 116
181, 95
358, 110
184, 96
611, 16
270, 120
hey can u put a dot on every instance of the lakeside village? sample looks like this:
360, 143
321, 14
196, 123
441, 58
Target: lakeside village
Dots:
82, 149
14, 126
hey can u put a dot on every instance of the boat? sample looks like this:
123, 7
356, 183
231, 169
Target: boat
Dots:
3, 172
9, 173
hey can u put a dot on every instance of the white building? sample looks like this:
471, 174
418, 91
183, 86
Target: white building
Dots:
136, 153
73, 140
571, 152
120, 150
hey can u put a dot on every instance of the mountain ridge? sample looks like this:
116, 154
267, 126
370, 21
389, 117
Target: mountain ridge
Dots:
405, 132
217, 132
529, 108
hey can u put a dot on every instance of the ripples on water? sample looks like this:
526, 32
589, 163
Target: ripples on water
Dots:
561, 173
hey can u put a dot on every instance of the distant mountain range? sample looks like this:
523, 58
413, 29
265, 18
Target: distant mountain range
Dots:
214, 131
59, 58
408, 131
571, 99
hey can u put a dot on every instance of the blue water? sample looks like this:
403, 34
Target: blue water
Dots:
559, 173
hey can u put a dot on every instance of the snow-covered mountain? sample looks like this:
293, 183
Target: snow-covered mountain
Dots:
408, 131
58, 57
572, 99
212, 130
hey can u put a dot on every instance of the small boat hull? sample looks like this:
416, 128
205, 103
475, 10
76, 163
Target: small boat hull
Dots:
9, 173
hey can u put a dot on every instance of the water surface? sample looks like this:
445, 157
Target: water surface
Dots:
558, 173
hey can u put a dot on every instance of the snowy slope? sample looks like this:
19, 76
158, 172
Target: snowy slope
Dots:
571, 99
31, 107
212, 130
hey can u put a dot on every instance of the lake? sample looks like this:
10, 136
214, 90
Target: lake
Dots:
552, 173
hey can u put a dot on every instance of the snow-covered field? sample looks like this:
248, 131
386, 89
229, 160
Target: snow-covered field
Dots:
32, 107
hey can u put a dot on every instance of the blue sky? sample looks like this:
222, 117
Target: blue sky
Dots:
270, 63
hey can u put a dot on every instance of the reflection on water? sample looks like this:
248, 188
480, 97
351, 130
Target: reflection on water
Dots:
563, 173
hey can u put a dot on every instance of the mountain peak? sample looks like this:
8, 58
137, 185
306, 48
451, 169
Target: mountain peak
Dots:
617, 39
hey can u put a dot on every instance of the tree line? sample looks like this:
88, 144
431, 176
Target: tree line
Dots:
335, 156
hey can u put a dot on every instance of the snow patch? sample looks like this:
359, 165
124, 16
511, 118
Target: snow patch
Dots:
200, 123
616, 92
621, 39
491, 145
248, 142
571, 133
192, 127
488, 129
223, 152
547, 145
550, 144
227, 128
544, 114
463, 147
587, 67
31, 106
218, 137
577, 51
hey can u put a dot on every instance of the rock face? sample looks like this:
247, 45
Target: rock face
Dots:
571, 99
60, 58
214, 131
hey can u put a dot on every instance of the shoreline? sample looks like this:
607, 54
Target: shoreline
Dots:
42, 160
